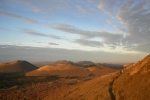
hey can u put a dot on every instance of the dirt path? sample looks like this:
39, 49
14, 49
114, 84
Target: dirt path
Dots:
111, 88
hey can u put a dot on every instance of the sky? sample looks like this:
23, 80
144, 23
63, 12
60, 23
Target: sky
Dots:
113, 31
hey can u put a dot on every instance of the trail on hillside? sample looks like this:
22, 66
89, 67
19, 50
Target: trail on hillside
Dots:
111, 88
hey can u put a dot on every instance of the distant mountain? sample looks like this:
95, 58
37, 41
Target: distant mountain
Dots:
113, 65
85, 63
134, 82
41, 63
16, 66
62, 62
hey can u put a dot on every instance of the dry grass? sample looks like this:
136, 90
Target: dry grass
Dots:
62, 70
96, 89
37, 91
67, 69
134, 83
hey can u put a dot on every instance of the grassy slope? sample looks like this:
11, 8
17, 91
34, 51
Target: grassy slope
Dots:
134, 83
96, 89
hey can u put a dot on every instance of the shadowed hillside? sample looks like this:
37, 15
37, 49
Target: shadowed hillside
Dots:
16, 66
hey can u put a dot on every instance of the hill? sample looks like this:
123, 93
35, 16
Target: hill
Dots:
16, 66
133, 83
96, 89
62, 70
62, 62
100, 70
68, 69
85, 63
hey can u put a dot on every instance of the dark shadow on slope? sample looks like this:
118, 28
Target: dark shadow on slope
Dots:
111, 91
111, 87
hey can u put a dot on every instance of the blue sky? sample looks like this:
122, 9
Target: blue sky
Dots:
97, 30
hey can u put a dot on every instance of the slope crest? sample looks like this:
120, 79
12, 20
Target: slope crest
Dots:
142, 66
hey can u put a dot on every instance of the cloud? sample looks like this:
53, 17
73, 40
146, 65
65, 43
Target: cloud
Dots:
51, 43
46, 6
36, 41
144, 47
136, 20
12, 53
108, 38
31, 32
55, 6
3, 13
131, 17
109, 6
84, 10
109, 21
89, 43
134, 17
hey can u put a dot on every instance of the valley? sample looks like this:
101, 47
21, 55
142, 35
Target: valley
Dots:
66, 80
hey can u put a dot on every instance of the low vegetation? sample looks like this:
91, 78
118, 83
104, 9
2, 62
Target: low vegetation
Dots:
12, 79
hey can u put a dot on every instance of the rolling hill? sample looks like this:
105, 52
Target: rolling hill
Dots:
71, 70
16, 66
62, 70
132, 83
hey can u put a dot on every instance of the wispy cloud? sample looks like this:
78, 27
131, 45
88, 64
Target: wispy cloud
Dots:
51, 43
108, 38
32, 32
89, 43
54, 6
26, 19
134, 18
36, 41
131, 18
46, 6
84, 10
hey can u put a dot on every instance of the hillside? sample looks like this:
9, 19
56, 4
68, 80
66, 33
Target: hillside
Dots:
71, 70
100, 70
96, 89
62, 70
133, 83
62, 89
97, 83
16, 66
